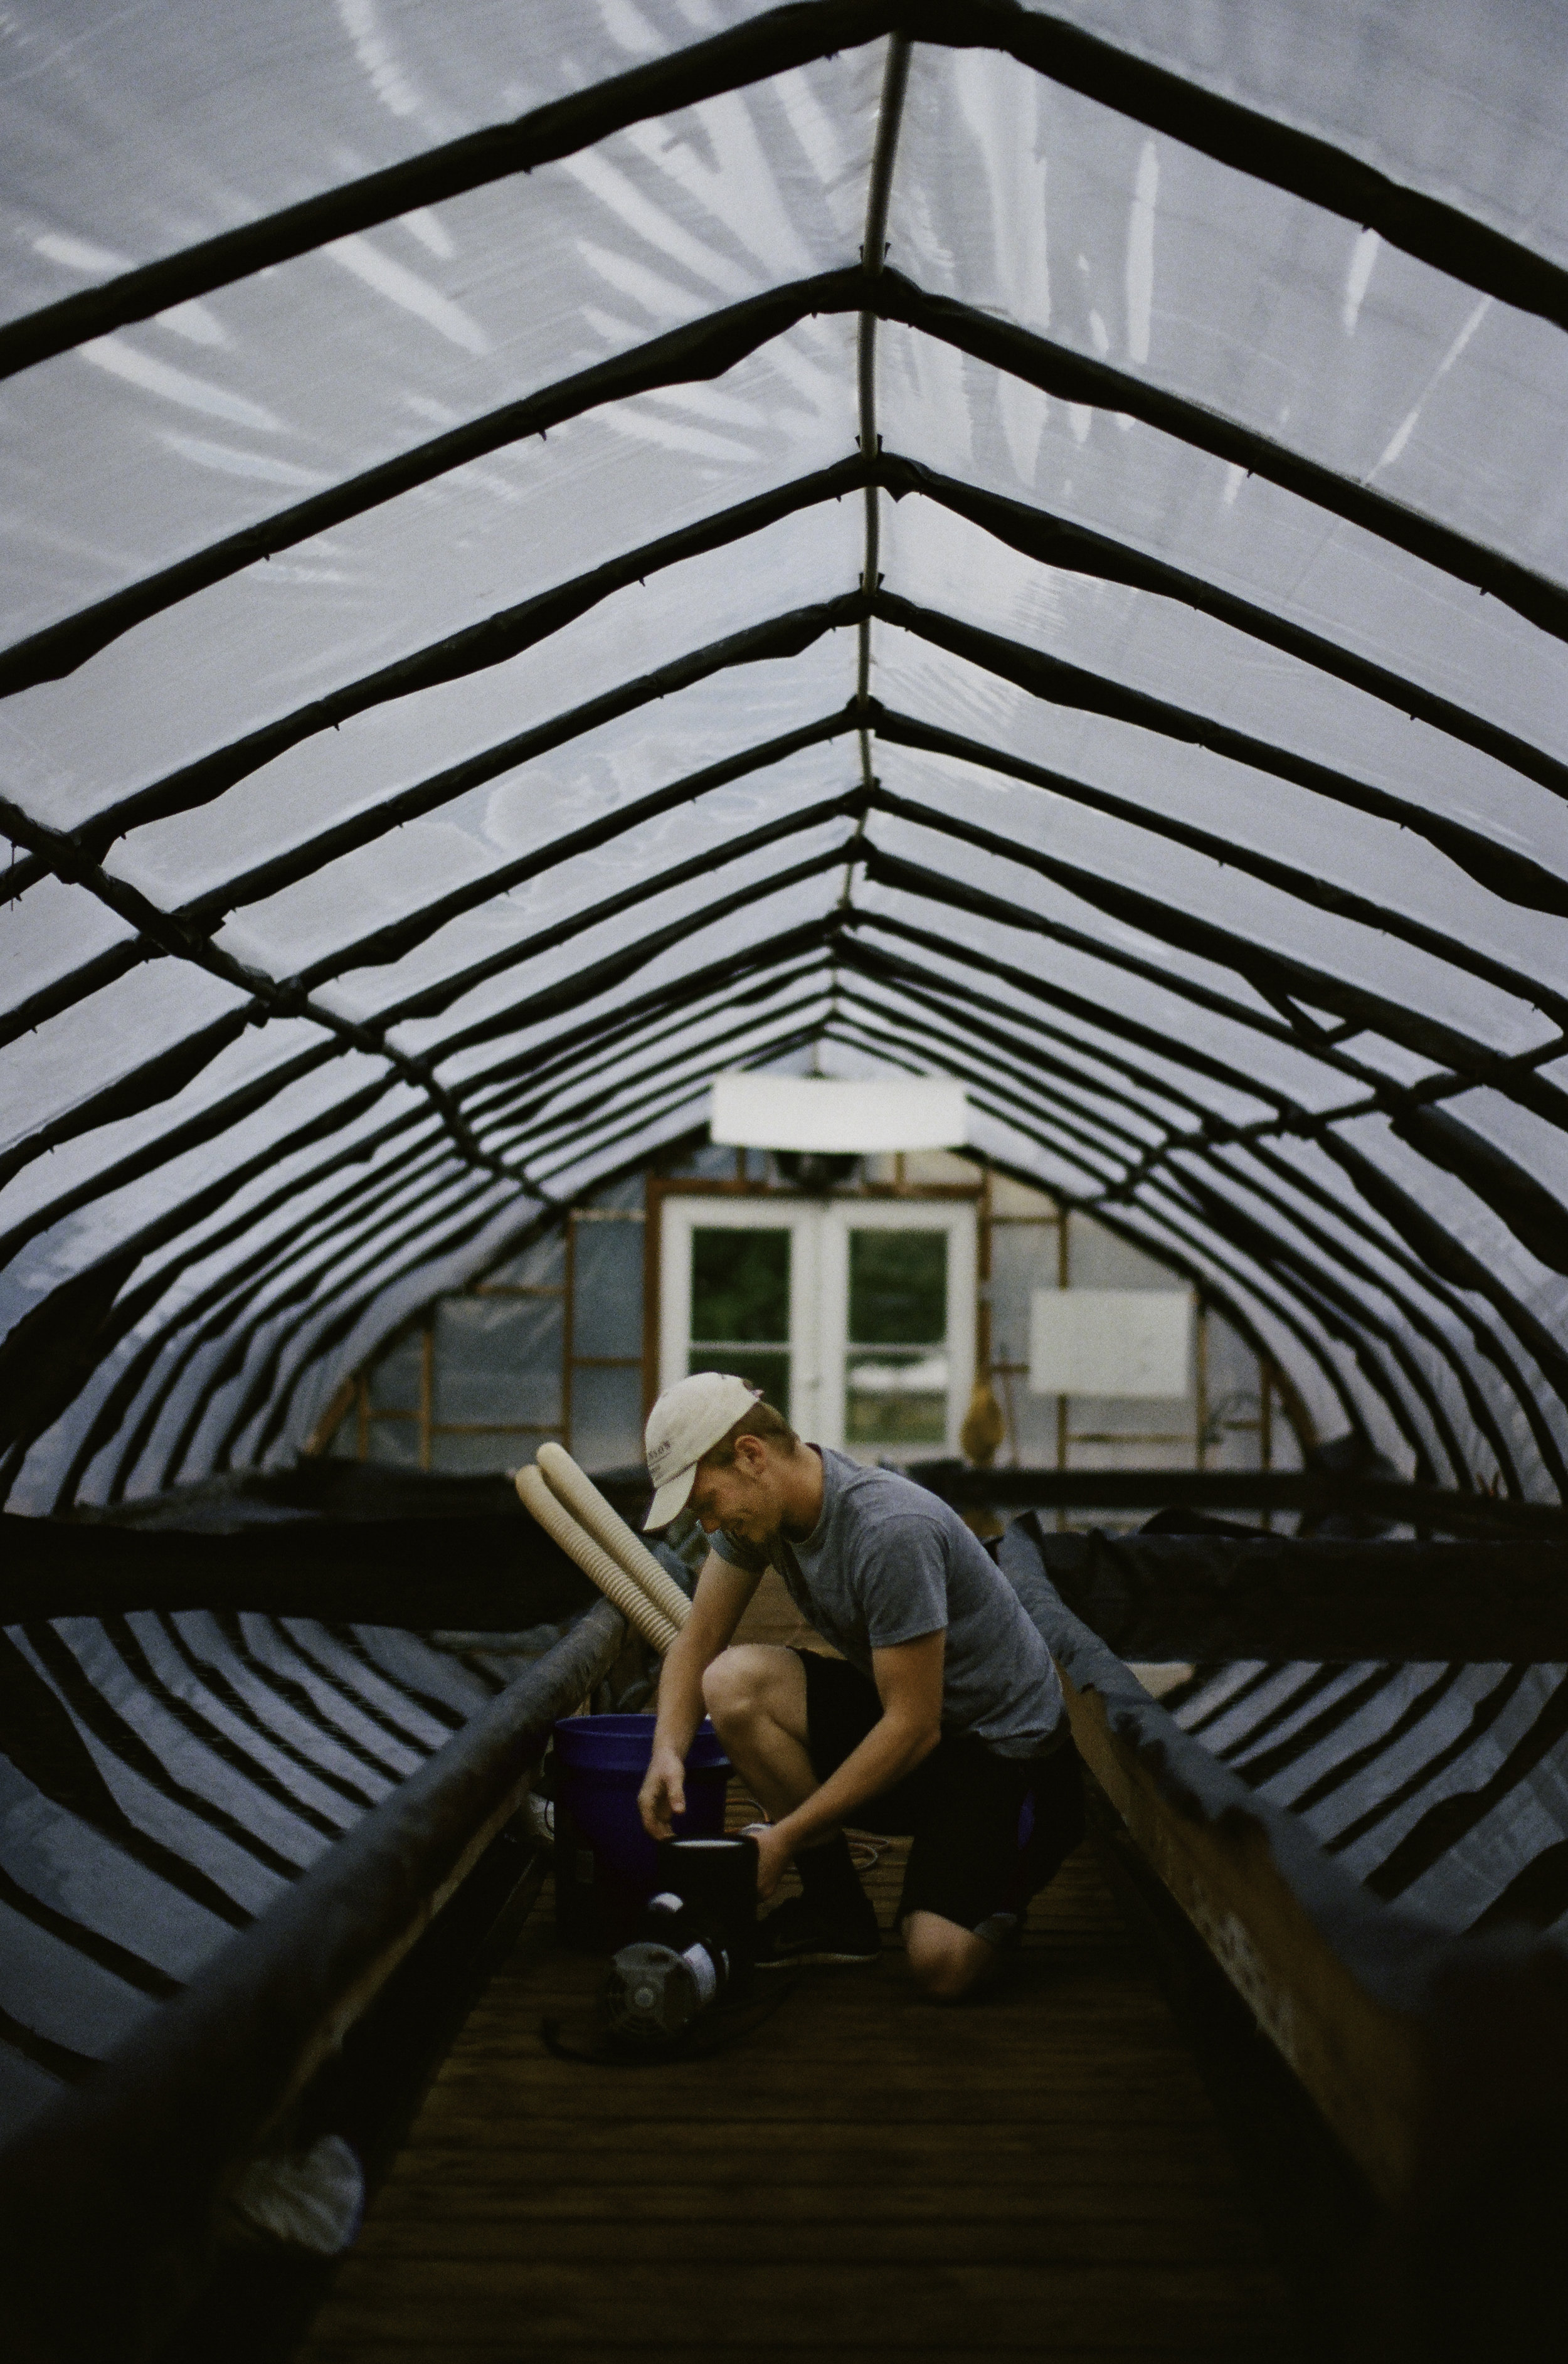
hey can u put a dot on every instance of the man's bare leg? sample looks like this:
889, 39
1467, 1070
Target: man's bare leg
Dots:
755, 1693
946, 1961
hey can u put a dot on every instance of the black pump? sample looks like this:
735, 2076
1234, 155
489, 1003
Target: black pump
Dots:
697, 1944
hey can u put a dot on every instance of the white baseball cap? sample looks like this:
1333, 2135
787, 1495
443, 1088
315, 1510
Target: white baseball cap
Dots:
688, 1422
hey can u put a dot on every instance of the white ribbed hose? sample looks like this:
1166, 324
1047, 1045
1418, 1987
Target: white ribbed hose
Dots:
577, 1490
595, 1563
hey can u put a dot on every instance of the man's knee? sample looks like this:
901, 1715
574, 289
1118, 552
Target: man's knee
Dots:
945, 1961
739, 1685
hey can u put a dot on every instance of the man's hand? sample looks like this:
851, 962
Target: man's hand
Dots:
773, 1853
663, 1793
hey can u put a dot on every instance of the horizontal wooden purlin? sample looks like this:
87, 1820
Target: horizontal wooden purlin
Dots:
1242, 138
1513, 876
1306, 887
402, 936
1213, 1599
698, 349
432, 1001
135, 2161
1074, 548
781, 636
495, 640
1278, 977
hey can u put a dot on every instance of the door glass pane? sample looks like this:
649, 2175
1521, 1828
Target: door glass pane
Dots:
741, 1307
897, 1365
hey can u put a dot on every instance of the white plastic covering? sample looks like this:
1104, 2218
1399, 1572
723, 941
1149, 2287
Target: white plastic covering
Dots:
1234, 895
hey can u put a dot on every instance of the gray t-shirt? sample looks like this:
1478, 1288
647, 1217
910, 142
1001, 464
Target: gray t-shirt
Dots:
887, 1562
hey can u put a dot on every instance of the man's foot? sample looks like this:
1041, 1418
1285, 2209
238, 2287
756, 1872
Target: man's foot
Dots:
800, 1933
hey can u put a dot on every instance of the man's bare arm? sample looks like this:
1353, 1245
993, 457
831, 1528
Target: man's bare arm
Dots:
722, 1593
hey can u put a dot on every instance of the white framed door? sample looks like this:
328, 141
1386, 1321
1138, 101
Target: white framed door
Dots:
855, 1315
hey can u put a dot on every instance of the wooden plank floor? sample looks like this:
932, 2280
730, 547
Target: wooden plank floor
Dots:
1037, 2172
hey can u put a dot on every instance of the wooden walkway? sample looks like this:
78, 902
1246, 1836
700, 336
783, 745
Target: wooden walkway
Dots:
1038, 2172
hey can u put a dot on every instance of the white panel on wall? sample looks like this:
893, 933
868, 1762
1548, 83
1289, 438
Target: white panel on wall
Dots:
1109, 1342
832, 1113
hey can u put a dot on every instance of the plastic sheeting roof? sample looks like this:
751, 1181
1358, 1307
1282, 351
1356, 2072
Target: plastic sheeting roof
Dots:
558, 550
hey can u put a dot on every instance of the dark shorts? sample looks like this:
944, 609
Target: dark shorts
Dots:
989, 1831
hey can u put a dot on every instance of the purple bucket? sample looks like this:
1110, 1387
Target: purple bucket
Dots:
606, 1864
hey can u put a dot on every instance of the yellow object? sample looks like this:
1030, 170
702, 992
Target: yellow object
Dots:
984, 1427
595, 1561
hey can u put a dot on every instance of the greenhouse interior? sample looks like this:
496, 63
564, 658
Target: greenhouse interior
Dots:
860, 695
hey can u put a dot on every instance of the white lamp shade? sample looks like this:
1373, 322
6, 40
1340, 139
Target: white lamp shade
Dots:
1109, 1342
827, 1114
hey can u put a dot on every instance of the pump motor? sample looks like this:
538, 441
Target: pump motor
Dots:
696, 1946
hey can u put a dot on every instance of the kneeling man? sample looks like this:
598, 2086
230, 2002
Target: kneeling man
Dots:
944, 1717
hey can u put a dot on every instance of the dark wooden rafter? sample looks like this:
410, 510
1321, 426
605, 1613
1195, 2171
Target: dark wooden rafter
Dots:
168, 1072
1242, 138
706, 349
1440, 1262
1279, 1300
1359, 1321
1322, 894
579, 1100
1034, 532
282, 1391
962, 1027
1236, 1252
1278, 977
1513, 876
468, 1199
1074, 548
425, 1164
207, 1308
